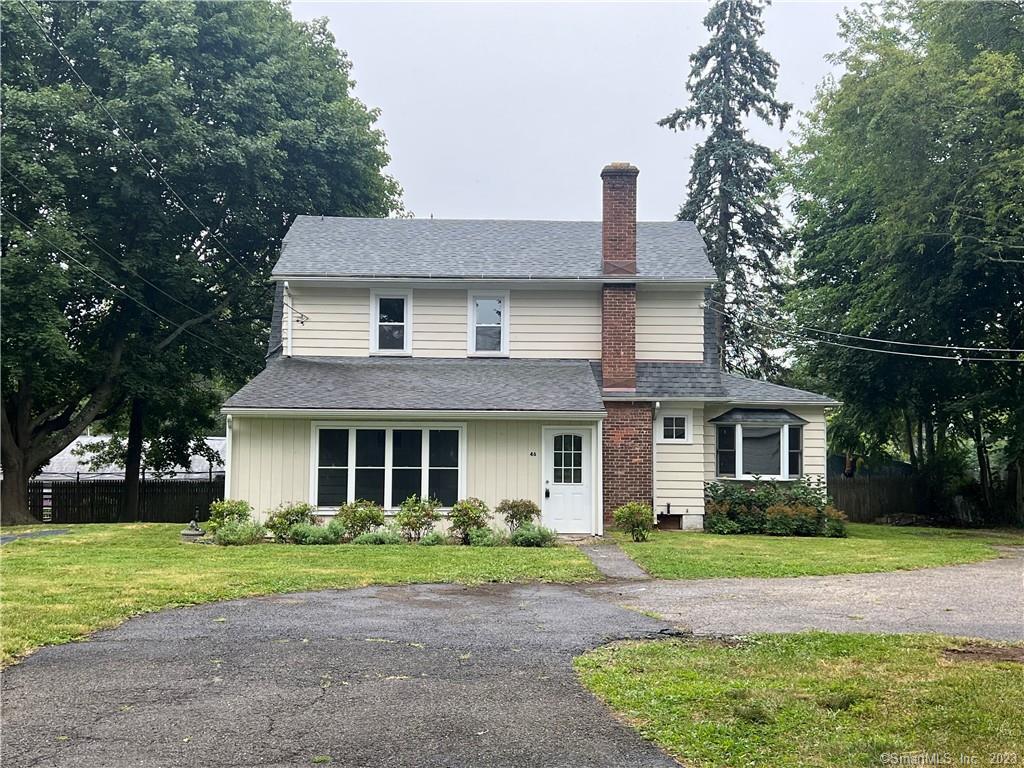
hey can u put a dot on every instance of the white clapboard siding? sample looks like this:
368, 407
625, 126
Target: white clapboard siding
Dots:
669, 324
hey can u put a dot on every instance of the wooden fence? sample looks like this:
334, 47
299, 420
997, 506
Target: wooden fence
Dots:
865, 499
102, 501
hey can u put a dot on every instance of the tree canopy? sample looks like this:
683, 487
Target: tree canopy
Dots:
143, 207
910, 220
732, 191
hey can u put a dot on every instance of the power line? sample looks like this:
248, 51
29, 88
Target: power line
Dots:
117, 288
793, 335
99, 247
893, 341
121, 132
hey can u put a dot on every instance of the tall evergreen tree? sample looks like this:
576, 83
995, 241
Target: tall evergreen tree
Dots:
731, 194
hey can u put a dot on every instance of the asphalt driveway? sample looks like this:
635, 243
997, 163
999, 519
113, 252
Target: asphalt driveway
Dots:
978, 600
438, 675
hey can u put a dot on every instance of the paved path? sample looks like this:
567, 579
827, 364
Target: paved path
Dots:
432, 675
978, 600
31, 535
613, 563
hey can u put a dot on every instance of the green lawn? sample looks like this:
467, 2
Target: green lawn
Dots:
869, 548
62, 588
812, 700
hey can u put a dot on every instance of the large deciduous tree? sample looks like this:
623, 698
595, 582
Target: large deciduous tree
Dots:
732, 193
910, 215
116, 289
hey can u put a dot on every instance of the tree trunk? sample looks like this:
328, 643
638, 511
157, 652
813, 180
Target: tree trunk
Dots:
908, 430
984, 472
14, 501
133, 462
929, 438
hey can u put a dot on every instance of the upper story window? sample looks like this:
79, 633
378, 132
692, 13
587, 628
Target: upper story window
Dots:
488, 324
391, 323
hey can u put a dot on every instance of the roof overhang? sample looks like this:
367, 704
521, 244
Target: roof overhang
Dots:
766, 416
325, 413
435, 280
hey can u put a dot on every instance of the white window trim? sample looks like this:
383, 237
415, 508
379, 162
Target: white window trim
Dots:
472, 296
659, 434
375, 297
389, 427
783, 453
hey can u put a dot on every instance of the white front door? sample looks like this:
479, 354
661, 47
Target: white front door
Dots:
568, 482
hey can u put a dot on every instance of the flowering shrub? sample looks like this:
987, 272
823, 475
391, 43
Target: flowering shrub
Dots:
467, 515
227, 511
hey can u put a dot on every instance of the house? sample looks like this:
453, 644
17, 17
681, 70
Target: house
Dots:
73, 463
571, 363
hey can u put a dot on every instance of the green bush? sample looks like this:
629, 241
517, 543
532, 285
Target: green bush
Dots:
636, 518
835, 523
796, 508
487, 537
227, 511
417, 516
235, 533
517, 512
530, 535
307, 533
382, 536
433, 539
284, 517
360, 516
467, 515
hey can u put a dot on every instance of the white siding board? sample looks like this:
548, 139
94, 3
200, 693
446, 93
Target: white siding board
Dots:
670, 324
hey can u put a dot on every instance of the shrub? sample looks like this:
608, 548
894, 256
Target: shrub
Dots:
636, 518
282, 519
381, 536
236, 533
433, 539
360, 517
467, 515
487, 537
417, 516
794, 508
835, 523
517, 512
228, 511
530, 535
304, 532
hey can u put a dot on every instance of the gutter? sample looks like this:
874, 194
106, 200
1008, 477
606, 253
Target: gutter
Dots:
581, 279
379, 413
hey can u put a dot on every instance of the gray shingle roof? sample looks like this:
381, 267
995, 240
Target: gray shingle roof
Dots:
453, 248
758, 416
743, 390
421, 384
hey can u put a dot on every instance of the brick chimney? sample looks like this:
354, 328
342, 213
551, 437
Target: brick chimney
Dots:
618, 259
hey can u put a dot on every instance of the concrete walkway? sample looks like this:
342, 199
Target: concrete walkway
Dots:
978, 600
613, 563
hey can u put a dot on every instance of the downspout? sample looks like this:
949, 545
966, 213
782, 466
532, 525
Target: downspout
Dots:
289, 325
227, 460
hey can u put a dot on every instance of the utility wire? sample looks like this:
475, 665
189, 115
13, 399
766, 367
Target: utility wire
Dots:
796, 336
893, 341
122, 133
117, 288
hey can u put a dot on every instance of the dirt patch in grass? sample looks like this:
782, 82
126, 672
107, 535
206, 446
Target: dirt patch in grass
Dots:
985, 653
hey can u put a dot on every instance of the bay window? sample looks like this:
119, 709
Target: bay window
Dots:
387, 465
758, 443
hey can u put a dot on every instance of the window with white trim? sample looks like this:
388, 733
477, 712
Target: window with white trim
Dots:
674, 427
391, 323
488, 324
387, 465
769, 451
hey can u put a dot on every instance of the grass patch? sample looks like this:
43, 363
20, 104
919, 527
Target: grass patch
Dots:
810, 699
868, 549
61, 588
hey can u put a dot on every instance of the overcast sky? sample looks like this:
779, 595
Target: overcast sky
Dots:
510, 110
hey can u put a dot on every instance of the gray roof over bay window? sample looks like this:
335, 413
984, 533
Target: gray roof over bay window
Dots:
333, 246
